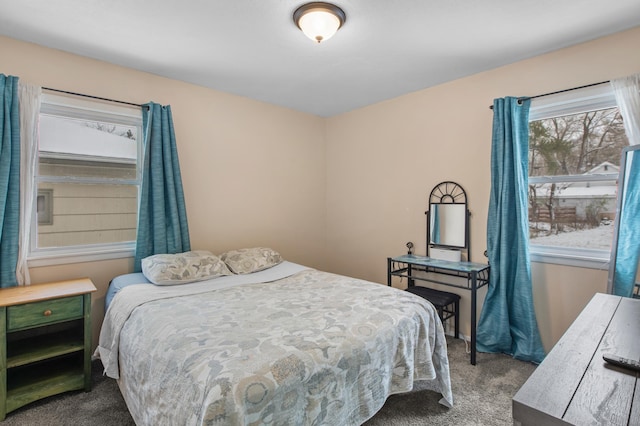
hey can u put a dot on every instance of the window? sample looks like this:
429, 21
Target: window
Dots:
44, 207
575, 142
88, 178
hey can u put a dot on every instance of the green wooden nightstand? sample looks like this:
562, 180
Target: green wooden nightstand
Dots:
45, 341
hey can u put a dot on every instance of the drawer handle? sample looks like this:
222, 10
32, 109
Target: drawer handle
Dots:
47, 313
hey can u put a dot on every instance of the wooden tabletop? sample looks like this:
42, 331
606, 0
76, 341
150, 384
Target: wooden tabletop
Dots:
38, 292
574, 385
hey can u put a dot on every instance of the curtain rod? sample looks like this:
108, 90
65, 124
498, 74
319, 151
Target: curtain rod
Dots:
524, 98
94, 97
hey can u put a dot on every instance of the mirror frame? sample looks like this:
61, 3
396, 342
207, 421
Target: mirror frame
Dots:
448, 193
622, 180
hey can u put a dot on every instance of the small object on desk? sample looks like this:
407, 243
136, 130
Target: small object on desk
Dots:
627, 363
409, 247
452, 255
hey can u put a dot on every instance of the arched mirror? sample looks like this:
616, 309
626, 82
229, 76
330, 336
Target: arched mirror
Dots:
448, 218
624, 279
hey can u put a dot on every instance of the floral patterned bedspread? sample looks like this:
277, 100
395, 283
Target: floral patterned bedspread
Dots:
310, 349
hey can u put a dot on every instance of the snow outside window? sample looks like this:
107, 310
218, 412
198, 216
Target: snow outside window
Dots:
575, 142
88, 179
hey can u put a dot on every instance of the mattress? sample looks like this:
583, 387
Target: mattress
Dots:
120, 282
306, 348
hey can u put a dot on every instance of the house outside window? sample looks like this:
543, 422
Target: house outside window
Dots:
88, 179
575, 142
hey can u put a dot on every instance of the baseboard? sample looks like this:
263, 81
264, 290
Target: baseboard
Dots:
460, 336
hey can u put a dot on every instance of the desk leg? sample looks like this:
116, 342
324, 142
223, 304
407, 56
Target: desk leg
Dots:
410, 280
474, 288
389, 271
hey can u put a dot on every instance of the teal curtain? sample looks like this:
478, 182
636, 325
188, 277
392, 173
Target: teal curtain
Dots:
508, 323
9, 180
628, 250
162, 218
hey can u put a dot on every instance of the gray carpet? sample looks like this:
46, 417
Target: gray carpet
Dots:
482, 396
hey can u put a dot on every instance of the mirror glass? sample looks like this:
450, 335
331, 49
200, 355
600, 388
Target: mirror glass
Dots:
625, 254
447, 225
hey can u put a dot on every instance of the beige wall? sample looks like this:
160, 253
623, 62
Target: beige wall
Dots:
383, 160
253, 173
343, 193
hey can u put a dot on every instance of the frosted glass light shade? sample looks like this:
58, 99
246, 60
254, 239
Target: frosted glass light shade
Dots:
319, 21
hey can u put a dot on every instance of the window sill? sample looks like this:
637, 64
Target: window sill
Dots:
580, 258
92, 254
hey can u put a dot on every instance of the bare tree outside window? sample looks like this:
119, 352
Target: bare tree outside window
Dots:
123, 131
573, 165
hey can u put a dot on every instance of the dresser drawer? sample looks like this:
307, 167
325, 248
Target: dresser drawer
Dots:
45, 312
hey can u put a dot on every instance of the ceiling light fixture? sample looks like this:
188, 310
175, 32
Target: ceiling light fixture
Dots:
319, 21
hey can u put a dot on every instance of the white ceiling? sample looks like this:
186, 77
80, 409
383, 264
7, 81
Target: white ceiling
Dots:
252, 48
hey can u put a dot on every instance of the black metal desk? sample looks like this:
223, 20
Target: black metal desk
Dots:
475, 276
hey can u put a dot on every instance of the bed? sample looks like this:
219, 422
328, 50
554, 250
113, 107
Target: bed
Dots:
283, 345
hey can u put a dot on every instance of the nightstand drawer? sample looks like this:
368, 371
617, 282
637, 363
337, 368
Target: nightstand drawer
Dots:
45, 312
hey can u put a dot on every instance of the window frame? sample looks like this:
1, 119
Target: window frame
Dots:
73, 107
567, 103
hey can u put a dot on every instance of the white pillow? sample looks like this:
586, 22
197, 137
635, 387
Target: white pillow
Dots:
248, 260
182, 268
